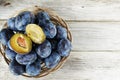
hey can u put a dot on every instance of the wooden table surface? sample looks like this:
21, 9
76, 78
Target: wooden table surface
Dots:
95, 27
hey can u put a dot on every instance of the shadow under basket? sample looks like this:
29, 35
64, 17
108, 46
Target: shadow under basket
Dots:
56, 20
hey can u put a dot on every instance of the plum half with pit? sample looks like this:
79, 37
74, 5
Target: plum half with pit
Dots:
20, 43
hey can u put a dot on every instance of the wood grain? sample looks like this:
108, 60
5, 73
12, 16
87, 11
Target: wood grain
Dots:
95, 36
81, 10
95, 27
79, 66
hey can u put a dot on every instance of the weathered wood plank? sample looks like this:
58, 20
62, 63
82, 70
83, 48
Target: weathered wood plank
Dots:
79, 66
83, 10
94, 36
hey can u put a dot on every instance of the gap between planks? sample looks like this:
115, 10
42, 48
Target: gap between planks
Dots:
82, 20
94, 36
69, 9
79, 66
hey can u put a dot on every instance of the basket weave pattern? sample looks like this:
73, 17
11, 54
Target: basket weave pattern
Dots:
56, 20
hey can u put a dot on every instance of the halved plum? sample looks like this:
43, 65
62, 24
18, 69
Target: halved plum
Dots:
36, 33
20, 43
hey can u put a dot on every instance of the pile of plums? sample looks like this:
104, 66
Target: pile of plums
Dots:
32, 39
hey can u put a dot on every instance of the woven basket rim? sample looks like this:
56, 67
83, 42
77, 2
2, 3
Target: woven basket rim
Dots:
57, 20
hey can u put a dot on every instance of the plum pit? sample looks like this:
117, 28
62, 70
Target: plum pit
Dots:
21, 42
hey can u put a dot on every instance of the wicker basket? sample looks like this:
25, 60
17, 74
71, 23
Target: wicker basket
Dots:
56, 20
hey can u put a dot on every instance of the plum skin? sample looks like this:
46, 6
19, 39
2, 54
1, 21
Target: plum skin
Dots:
44, 50
34, 69
43, 20
19, 22
16, 68
5, 35
61, 32
23, 19
52, 60
26, 58
64, 47
10, 53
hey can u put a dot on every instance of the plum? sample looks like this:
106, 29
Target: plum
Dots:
34, 69
52, 60
20, 43
47, 25
49, 29
36, 33
43, 15
61, 32
16, 68
23, 19
10, 53
44, 49
41, 18
11, 23
5, 35
64, 47
26, 58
